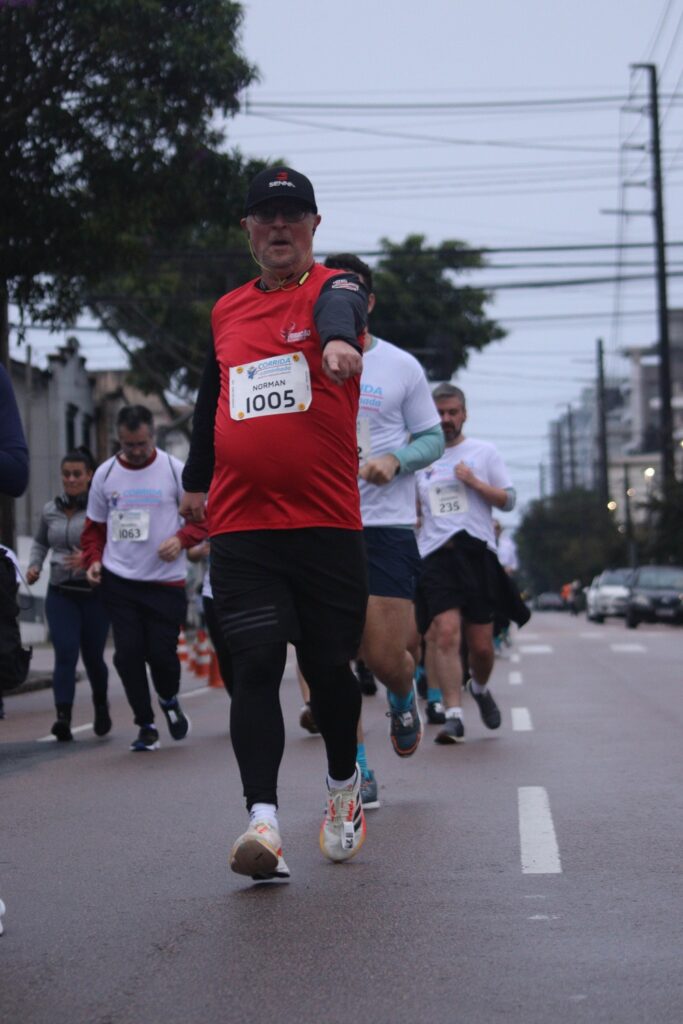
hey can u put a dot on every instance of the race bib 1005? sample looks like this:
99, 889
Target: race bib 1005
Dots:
447, 499
270, 387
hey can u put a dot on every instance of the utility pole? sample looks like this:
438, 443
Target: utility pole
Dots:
665, 420
603, 475
541, 480
628, 522
572, 459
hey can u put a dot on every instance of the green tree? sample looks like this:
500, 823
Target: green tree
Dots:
565, 537
107, 130
422, 308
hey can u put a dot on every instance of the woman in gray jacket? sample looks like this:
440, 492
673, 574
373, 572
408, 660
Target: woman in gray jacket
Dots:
75, 613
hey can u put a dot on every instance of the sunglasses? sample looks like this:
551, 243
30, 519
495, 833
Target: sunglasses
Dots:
291, 213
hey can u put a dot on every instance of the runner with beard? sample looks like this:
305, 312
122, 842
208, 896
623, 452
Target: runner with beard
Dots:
459, 585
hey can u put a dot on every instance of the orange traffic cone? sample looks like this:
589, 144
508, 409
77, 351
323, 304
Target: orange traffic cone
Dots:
182, 646
215, 677
192, 657
203, 656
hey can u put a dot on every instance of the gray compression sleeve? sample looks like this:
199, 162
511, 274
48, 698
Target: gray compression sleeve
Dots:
424, 448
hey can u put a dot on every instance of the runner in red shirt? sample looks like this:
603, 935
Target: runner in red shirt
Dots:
274, 445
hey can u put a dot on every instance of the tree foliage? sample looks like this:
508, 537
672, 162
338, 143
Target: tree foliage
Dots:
109, 137
565, 537
422, 307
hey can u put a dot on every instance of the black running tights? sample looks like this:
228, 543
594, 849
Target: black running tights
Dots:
256, 723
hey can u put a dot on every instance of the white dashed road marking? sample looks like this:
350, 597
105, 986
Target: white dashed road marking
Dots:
514, 658
535, 649
538, 844
521, 720
628, 648
78, 728
515, 678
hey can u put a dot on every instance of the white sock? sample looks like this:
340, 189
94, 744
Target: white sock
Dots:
453, 713
264, 812
336, 784
476, 688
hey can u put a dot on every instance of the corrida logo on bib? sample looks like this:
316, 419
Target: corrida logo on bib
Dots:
270, 387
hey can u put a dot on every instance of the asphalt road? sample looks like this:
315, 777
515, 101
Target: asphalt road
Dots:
529, 875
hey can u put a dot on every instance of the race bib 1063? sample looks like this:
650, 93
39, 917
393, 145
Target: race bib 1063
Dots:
270, 387
129, 524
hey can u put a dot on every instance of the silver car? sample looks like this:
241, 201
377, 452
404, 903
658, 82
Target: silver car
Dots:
608, 594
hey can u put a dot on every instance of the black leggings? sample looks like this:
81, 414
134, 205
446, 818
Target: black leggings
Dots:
256, 723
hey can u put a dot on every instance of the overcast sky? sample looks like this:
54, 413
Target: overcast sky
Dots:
527, 172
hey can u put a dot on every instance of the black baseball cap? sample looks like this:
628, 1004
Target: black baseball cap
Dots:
280, 183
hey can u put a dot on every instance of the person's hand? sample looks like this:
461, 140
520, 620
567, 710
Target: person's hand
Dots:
74, 560
380, 470
192, 506
199, 551
341, 361
32, 573
169, 549
94, 574
464, 473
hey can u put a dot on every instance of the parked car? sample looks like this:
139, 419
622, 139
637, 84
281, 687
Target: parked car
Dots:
549, 602
608, 594
655, 595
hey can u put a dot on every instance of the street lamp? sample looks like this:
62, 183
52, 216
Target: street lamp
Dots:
612, 506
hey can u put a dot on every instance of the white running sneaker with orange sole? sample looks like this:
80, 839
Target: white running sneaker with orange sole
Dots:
342, 832
258, 853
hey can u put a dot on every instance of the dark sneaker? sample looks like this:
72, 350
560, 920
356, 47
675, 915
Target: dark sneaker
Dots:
148, 739
368, 789
62, 727
102, 723
405, 729
368, 684
453, 731
435, 712
307, 721
488, 709
178, 722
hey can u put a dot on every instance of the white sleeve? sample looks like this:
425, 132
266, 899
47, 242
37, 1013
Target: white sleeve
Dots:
497, 471
97, 503
419, 410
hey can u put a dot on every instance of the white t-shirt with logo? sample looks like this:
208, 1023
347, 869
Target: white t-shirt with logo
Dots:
395, 401
448, 505
140, 508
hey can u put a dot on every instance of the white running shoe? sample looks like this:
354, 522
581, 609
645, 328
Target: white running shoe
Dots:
258, 853
342, 832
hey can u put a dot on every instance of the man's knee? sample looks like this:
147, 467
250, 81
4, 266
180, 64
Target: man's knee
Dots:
444, 632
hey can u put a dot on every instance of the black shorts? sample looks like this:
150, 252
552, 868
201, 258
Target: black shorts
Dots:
306, 586
393, 561
462, 574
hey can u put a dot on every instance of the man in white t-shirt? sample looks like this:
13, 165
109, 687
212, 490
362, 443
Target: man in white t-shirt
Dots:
398, 433
132, 545
457, 591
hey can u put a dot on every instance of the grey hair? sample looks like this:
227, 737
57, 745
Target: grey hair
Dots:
449, 391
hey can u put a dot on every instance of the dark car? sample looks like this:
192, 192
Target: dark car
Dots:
655, 595
549, 602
